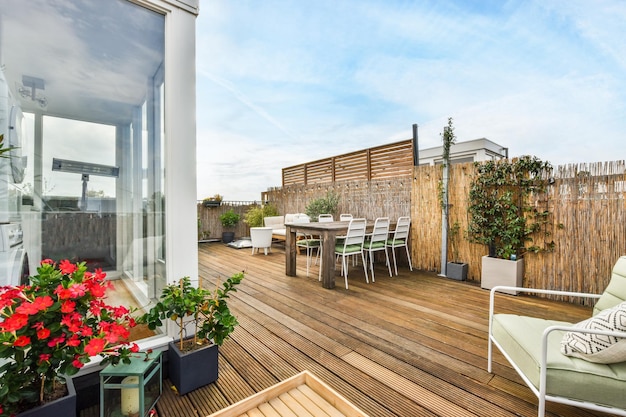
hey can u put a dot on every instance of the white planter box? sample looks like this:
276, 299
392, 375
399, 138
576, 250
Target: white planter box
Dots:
497, 271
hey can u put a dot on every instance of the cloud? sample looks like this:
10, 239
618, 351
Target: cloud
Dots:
281, 84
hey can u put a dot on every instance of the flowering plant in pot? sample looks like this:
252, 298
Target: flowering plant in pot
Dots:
52, 327
204, 313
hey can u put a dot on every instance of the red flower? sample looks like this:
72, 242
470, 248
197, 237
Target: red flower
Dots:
68, 306
120, 311
43, 334
95, 346
73, 341
76, 363
14, 322
22, 341
44, 357
78, 290
56, 341
63, 293
44, 302
47, 261
67, 267
27, 309
135, 348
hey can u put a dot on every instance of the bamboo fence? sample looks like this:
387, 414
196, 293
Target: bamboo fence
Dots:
587, 199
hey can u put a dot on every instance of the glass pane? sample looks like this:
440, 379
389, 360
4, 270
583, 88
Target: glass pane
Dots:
89, 79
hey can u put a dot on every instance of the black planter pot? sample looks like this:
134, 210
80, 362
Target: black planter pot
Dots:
228, 237
211, 203
65, 406
457, 270
191, 370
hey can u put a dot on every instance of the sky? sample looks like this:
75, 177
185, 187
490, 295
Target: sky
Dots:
283, 82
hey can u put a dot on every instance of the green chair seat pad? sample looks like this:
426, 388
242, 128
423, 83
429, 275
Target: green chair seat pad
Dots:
567, 376
348, 249
375, 245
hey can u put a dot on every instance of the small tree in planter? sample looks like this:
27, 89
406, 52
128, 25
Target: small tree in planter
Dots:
322, 205
456, 269
501, 215
192, 360
229, 220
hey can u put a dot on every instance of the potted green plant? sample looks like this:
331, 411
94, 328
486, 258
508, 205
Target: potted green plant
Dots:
456, 269
502, 217
213, 201
256, 213
50, 329
229, 220
322, 205
203, 234
192, 361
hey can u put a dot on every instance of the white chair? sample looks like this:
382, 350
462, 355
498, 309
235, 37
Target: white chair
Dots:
352, 245
325, 218
377, 241
261, 238
400, 238
345, 217
309, 243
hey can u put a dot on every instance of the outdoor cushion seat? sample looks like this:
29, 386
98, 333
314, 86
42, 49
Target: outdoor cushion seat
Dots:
535, 348
566, 376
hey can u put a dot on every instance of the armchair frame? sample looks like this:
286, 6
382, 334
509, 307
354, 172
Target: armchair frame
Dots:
540, 392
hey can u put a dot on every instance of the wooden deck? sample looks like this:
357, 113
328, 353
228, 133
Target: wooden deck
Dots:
412, 345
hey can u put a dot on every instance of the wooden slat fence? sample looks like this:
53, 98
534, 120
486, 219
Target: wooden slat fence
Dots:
381, 162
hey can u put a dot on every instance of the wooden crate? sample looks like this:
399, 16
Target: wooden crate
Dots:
301, 395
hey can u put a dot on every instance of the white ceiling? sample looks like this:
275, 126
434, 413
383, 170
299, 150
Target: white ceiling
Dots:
96, 58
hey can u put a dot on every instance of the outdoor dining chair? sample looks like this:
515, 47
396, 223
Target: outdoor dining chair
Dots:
376, 241
345, 217
351, 246
325, 218
309, 243
400, 238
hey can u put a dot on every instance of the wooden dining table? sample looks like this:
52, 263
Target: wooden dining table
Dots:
328, 232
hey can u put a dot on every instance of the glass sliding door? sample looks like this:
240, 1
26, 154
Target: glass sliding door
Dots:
90, 77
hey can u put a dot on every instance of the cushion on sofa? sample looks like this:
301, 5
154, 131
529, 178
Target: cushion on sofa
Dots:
567, 376
594, 347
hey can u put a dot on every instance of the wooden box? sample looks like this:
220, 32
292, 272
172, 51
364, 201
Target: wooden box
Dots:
300, 395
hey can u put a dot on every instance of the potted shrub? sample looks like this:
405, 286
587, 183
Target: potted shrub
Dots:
214, 201
502, 217
256, 213
322, 205
192, 361
229, 220
456, 269
50, 329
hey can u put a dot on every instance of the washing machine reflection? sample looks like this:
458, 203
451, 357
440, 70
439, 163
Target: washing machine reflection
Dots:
14, 268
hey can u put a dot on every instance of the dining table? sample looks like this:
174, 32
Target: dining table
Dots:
328, 232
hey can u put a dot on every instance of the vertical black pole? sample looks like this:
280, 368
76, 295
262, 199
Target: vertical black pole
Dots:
416, 152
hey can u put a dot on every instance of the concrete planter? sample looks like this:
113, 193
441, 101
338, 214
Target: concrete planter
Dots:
496, 271
191, 370
457, 270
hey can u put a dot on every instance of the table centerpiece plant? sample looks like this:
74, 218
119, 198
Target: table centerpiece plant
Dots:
50, 329
206, 316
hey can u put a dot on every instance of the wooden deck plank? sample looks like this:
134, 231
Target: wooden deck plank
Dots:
409, 345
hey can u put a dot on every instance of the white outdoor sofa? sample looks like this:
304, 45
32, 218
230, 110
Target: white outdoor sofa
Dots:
277, 223
533, 347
